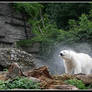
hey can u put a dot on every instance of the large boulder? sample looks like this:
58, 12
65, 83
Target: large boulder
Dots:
39, 72
87, 79
10, 55
14, 71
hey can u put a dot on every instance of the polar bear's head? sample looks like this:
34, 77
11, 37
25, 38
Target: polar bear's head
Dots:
65, 54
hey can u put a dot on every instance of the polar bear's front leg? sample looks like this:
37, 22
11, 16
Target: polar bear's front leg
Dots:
77, 70
67, 69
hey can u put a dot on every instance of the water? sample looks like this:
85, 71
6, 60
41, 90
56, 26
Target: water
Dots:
55, 63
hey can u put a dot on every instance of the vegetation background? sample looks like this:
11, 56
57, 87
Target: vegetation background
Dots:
52, 23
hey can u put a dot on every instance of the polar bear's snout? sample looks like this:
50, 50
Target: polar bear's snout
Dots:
61, 54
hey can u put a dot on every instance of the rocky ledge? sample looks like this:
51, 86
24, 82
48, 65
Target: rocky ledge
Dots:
47, 81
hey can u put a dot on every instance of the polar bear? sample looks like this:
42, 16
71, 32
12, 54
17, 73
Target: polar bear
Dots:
76, 62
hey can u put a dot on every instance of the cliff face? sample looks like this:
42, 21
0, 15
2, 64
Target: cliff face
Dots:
11, 26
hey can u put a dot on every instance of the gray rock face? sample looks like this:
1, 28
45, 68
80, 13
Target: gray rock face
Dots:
11, 26
35, 48
10, 55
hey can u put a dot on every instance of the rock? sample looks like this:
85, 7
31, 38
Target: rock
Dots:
64, 77
38, 72
10, 55
34, 79
46, 82
87, 79
63, 87
11, 26
3, 75
42, 74
14, 71
34, 48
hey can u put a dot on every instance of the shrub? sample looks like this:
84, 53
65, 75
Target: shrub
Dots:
19, 83
81, 30
2, 85
78, 83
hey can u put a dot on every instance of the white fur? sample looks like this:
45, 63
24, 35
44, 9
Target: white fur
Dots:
76, 62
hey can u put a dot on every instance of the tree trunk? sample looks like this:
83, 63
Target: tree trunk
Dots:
25, 27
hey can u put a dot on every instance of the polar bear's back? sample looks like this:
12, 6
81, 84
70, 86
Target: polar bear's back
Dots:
84, 59
85, 56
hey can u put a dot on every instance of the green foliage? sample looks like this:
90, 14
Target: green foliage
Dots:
79, 31
65, 36
24, 83
20, 83
6, 70
45, 31
62, 12
48, 19
2, 85
89, 86
82, 29
31, 9
24, 43
78, 83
